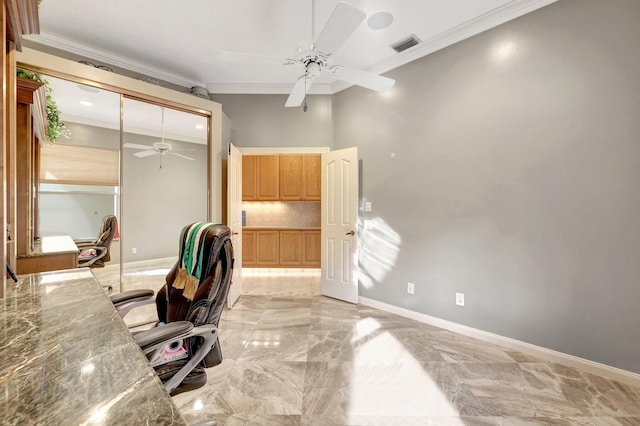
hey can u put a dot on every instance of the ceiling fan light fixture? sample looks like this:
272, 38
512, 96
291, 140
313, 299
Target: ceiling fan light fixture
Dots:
380, 20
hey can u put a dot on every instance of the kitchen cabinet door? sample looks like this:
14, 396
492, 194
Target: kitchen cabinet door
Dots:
311, 248
248, 248
311, 171
291, 181
249, 192
268, 247
290, 248
267, 181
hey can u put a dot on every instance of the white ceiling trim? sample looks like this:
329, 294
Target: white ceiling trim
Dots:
473, 27
466, 30
266, 89
99, 55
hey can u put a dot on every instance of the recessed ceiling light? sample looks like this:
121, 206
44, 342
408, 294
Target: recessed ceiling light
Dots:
199, 126
86, 103
380, 20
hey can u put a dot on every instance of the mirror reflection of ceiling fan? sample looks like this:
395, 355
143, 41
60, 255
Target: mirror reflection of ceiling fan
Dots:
158, 148
341, 24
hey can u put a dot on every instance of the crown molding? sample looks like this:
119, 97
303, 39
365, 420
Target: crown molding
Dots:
463, 31
265, 88
468, 29
109, 58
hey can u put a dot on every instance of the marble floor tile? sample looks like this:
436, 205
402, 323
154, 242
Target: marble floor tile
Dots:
294, 357
278, 344
261, 387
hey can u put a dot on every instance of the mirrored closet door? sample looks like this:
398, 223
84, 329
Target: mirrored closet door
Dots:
78, 184
164, 187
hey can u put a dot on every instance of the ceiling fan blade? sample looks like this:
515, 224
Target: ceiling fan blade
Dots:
341, 24
183, 156
297, 93
362, 78
145, 153
247, 58
137, 146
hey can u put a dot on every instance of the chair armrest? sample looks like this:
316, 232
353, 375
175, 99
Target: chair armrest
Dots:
84, 243
127, 300
127, 296
158, 336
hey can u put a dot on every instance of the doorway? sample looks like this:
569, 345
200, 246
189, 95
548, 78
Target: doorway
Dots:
274, 248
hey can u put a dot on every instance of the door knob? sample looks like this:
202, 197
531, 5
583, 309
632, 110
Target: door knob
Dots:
234, 233
352, 232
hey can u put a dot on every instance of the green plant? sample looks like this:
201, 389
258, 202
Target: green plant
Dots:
55, 127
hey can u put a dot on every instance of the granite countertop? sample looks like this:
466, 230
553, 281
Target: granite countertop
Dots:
53, 245
57, 244
66, 357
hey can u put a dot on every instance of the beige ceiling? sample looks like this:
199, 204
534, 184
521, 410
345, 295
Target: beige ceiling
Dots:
181, 42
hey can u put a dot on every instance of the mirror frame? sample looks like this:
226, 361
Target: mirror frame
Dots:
55, 66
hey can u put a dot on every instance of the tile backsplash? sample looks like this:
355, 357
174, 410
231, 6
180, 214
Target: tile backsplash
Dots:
290, 214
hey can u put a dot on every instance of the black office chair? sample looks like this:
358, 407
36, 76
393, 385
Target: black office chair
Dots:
94, 253
189, 305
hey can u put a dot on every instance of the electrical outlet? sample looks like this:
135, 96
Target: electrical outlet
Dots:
134, 250
411, 287
460, 299
367, 206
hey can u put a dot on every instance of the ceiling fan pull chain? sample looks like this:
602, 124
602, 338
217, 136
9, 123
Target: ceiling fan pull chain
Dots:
304, 107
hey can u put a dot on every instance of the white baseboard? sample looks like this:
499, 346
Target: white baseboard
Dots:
603, 370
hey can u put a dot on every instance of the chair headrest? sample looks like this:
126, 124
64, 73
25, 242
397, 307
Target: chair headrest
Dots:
200, 245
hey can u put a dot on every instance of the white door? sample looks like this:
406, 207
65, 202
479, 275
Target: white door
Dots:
234, 219
339, 217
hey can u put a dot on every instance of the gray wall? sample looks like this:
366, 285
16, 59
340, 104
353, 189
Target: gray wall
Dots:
263, 121
157, 203
514, 182
77, 215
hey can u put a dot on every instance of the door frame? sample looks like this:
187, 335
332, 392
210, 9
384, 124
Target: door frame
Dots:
282, 150
249, 150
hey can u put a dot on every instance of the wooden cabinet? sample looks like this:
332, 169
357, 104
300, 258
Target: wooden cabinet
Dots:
300, 177
281, 248
260, 248
30, 119
260, 178
248, 248
267, 248
281, 177
291, 177
311, 181
249, 192
290, 248
311, 253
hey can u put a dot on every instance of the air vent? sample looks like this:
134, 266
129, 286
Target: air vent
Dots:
405, 43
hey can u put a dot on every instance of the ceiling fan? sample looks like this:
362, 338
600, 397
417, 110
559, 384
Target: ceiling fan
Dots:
341, 24
158, 148
317, 59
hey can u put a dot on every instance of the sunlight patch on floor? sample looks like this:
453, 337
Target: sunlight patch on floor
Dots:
388, 381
